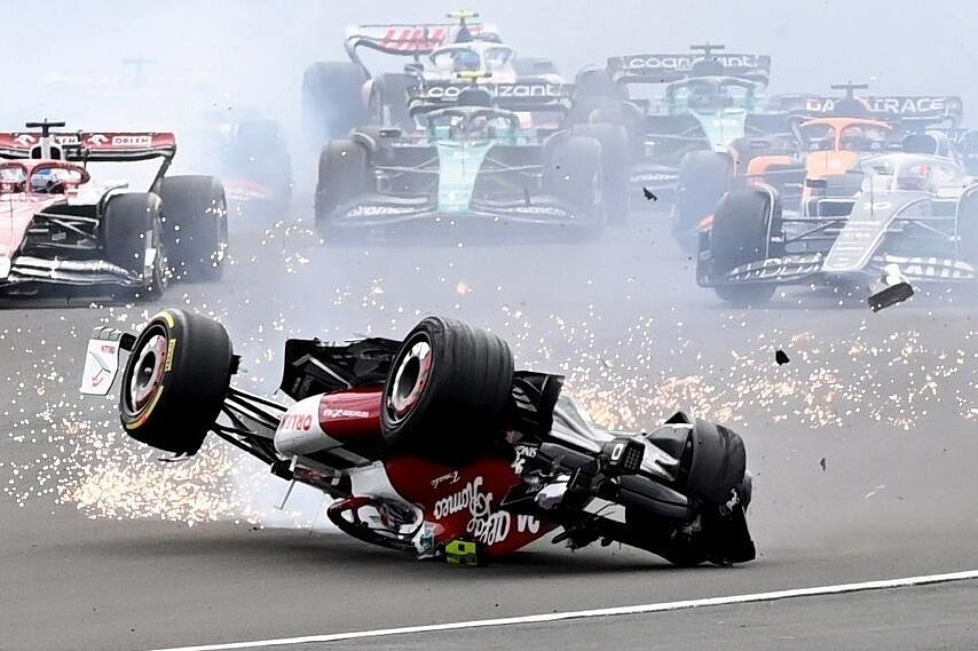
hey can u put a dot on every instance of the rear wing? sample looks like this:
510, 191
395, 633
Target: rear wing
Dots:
104, 146
913, 108
527, 95
411, 39
666, 68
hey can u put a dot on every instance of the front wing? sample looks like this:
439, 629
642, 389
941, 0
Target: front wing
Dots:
380, 211
804, 268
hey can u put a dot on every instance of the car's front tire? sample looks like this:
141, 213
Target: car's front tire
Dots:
175, 381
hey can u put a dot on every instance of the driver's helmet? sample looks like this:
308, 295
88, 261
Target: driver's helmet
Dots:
478, 127
853, 139
702, 96
466, 60
48, 180
917, 177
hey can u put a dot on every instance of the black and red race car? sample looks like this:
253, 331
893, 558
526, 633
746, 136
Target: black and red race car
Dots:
434, 445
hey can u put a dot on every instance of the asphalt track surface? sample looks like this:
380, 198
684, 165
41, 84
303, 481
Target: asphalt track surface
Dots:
863, 448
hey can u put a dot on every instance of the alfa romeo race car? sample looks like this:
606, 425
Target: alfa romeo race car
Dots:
914, 220
474, 163
434, 445
57, 227
338, 96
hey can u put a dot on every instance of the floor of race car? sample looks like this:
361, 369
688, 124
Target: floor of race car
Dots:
862, 446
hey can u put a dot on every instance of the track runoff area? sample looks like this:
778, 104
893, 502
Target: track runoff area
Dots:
618, 611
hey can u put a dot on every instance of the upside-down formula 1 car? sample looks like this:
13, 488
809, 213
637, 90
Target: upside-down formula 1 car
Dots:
61, 228
474, 167
433, 445
915, 219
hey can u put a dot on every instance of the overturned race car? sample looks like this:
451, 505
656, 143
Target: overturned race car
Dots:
434, 445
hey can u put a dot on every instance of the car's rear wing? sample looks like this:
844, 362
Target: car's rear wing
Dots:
666, 68
526, 95
410, 39
102, 146
903, 108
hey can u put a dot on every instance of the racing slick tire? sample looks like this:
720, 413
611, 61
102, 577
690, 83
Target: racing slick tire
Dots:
195, 221
449, 389
127, 221
388, 104
343, 175
714, 461
741, 233
175, 381
615, 177
704, 176
332, 104
966, 226
572, 173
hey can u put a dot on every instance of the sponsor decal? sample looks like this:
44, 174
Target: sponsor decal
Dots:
24, 139
486, 526
378, 211
331, 412
655, 176
538, 210
297, 421
97, 139
523, 452
899, 105
449, 478
684, 62
502, 91
132, 141
170, 347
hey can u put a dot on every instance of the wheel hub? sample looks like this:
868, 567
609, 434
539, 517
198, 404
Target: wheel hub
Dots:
410, 380
148, 371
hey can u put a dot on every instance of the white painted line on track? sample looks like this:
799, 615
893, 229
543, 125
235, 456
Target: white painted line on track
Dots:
599, 612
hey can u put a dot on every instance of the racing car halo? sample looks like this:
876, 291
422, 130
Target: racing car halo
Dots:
434, 445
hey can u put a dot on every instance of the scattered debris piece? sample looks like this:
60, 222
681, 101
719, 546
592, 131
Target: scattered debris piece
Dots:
781, 358
649, 195
890, 289
821, 463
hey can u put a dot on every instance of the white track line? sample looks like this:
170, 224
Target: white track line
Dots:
600, 612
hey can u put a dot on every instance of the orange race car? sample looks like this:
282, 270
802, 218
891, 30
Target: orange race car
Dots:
830, 147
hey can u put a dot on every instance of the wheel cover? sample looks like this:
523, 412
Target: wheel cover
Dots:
409, 381
147, 372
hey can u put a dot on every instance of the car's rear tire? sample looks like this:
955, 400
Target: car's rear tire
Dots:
714, 461
127, 221
332, 104
572, 173
388, 105
448, 390
175, 381
741, 232
343, 176
615, 178
195, 221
